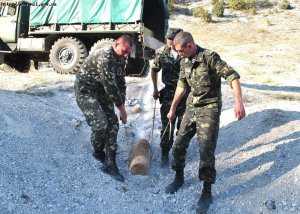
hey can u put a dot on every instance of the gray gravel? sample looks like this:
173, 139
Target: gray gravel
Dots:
47, 167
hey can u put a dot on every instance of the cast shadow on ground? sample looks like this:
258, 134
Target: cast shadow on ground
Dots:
294, 89
238, 133
283, 159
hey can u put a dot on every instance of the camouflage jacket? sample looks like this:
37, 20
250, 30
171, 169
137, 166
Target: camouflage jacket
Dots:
102, 74
203, 74
169, 66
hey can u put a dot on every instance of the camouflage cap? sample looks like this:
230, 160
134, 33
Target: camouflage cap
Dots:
171, 33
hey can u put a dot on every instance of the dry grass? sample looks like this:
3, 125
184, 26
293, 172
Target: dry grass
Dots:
218, 8
202, 13
262, 31
285, 5
241, 4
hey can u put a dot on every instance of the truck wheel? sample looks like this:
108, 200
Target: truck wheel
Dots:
137, 67
19, 62
101, 44
67, 54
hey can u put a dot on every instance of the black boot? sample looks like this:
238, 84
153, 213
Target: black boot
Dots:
110, 167
164, 159
99, 155
177, 183
205, 199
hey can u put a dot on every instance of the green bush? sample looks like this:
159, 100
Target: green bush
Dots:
202, 13
171, 5
252, 11
285, 5
241, 4
218, 8
213, 2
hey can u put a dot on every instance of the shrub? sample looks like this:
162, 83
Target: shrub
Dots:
202, 13
285, 5
218, 8
213, 2
268, 22
171, 5
241, 4
252, 11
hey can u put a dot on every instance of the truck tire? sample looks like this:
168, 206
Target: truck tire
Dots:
137, 67
101, 44
67, 54
19, 62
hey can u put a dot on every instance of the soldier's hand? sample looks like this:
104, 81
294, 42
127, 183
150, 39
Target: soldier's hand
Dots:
123, 117
171, 115
123, 113
155, 94
239, 110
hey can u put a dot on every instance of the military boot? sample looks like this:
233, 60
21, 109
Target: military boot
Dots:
177, 183
164, 158
99, 155
205, 199
110, 167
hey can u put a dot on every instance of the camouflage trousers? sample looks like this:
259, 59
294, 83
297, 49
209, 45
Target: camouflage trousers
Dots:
102, 120
204, 122
167, 135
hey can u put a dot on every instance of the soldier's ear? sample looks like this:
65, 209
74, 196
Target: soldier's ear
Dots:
189, 45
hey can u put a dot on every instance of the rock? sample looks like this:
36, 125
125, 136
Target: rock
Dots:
26, 198
122, 189
270, 204
136, 109
132, 102
76, 123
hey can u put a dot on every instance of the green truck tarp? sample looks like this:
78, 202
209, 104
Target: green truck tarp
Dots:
45, 12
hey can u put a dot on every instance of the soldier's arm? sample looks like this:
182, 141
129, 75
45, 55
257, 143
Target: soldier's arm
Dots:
221, 67
239, 108
179, 94
232, 77
109, 82
122, 87
155, 68
154, 81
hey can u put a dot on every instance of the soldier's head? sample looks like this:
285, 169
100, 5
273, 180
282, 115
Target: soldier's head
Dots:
184, 44
123, 45
171, 33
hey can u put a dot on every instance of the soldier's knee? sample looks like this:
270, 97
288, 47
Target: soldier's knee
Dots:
99, 127
178, 150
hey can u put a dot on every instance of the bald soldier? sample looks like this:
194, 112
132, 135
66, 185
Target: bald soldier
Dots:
167, 61
99, 86
201, 70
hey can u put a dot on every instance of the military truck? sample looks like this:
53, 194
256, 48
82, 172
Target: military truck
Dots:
64, 31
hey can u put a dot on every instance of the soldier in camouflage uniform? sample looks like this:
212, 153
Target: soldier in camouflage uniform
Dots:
99, 85
168, 61
201, 69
